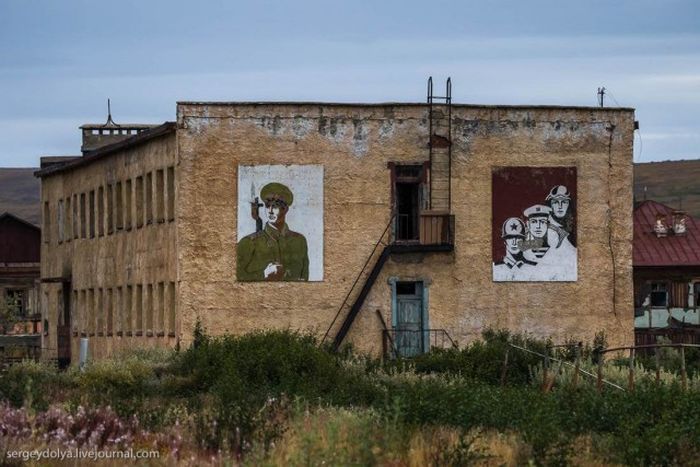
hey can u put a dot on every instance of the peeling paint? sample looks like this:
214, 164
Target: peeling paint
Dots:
360, 138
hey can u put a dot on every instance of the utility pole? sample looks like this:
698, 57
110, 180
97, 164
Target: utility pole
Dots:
601, 96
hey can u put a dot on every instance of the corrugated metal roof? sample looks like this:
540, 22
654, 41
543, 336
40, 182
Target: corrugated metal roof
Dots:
673, 250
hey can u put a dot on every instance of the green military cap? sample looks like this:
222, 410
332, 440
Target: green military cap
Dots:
277, 191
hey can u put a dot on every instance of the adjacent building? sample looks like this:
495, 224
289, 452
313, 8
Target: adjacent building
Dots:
666, 274
20, 311
393, 227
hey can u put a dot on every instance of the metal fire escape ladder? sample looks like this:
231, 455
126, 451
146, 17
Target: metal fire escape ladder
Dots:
440, 147
360, 300
371, 278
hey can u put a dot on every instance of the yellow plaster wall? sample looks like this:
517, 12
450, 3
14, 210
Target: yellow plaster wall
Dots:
354, 144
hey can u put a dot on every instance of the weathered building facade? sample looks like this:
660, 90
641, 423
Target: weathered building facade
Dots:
20, 313
375, 225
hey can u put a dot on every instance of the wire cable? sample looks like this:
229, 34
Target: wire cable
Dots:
641, 145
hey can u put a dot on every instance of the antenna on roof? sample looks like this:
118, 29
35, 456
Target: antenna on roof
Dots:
110, 122
601, 96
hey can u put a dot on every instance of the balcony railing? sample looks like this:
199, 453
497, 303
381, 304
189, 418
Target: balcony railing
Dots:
25, 325
411, 342
428, 228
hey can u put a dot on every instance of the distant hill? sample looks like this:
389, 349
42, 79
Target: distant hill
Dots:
20, 194
674, 183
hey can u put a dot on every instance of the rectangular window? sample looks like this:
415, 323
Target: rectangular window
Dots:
69, 223
678, 296
138, 303
149, 310
127, 205
160, 306
149, 198
171, 193
92, 214
47, 223
76, 216
100, 311
82, 311
59, 308
128, 306
83, 216
171, 308
91, 314
119, 201
109, 307
118, 310
160, 195
60, 220
16, 302
100, 211
659, 294
74, 312
47, 305
110, 209
140, 202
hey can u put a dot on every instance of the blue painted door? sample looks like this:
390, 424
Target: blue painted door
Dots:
409, 320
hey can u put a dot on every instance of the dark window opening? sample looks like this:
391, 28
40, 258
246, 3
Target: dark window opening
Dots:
659, 295
407, 208
16, 302
406, 288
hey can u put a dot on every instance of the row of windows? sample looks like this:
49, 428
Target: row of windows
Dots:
669, 294
113, 131
138, 309
123, 205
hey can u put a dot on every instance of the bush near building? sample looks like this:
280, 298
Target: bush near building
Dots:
279, 397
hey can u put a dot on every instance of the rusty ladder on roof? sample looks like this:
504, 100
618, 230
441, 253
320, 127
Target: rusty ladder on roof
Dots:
440, 147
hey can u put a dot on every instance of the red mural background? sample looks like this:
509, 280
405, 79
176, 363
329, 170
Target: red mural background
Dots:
515, 189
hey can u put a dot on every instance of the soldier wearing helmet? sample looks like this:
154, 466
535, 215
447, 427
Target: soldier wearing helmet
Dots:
513, 234
275, 253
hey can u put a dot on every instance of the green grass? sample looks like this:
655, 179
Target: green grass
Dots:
275, 396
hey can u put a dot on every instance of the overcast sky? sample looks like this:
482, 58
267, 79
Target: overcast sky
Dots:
61, 60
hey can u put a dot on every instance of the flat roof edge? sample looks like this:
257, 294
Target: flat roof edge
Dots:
402, 104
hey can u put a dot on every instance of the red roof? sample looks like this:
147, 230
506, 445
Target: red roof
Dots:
673, 250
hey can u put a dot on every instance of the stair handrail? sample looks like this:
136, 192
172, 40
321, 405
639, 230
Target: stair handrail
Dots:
357, 279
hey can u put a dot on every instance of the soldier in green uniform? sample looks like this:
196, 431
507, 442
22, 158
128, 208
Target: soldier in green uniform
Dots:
275, 253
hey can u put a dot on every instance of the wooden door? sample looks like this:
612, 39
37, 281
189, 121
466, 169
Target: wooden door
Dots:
409, 319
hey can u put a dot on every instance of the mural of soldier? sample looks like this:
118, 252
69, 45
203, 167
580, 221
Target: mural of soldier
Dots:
562, 218
537, 227
274, 253
544, 237
514, 263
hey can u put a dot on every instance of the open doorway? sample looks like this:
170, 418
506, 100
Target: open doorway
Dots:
407, 190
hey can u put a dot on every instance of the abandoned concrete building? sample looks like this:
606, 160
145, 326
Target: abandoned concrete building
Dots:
393, 227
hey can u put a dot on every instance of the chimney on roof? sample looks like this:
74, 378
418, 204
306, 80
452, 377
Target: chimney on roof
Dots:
660, 227
96, 135
679, 222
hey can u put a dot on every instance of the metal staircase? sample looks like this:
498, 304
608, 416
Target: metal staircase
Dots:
436, 225
440, 147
